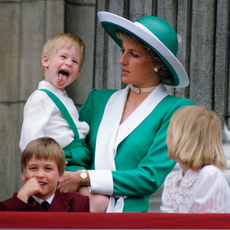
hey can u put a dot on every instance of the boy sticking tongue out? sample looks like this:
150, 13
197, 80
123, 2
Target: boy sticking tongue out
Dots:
63, 76
62, 68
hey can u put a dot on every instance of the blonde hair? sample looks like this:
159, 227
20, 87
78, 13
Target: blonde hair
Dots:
194, 137
53, 45
44, 148
164, 73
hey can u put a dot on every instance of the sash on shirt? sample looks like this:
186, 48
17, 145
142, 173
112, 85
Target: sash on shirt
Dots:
63, 110
77, 153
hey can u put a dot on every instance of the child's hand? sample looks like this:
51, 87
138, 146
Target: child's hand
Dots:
30, 188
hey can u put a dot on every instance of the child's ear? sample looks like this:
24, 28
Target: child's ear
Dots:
79, 72
23, 177
60, 178
45, 61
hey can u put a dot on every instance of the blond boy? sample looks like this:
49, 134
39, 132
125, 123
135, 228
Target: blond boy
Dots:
62, 60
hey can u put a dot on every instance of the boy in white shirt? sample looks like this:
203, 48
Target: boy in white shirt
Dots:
49, 112
62, 61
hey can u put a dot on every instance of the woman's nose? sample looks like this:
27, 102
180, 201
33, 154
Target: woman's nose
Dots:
123, 59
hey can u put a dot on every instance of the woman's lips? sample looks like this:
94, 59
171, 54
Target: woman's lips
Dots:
125, 72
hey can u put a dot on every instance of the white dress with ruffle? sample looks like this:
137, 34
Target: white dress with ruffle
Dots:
205, 190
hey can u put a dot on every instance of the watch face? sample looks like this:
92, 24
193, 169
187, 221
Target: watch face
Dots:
83, 175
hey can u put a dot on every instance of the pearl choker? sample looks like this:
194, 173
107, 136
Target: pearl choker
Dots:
141, 90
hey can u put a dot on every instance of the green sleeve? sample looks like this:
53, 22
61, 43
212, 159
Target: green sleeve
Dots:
85, 110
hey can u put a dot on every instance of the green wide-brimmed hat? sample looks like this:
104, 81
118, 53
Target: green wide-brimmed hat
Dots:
156, 34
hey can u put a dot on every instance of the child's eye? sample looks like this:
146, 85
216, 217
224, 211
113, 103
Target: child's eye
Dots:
48, 169
122, 51
75, 62
32, 168
62, 56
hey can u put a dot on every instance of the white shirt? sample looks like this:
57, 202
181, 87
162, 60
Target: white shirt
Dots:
42, 118
49, 200
196, 192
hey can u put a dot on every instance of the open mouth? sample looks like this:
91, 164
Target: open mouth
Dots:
125, 71
63, 76
64, 72
42, 184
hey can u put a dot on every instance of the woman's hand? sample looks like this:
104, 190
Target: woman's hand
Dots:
70, 182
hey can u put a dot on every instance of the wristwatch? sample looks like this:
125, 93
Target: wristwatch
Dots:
83, 176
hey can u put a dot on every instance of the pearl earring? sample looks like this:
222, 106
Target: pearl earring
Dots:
156, 69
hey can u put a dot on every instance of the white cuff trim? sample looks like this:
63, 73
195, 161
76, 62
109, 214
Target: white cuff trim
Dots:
101, 181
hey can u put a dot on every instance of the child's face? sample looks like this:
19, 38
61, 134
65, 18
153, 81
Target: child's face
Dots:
62, 68
46, 173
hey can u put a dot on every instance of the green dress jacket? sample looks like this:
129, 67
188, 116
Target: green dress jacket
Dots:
131, 159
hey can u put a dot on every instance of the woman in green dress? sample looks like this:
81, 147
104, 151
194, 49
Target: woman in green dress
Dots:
128, 127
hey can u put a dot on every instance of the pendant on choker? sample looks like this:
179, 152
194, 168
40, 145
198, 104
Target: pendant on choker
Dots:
141, 90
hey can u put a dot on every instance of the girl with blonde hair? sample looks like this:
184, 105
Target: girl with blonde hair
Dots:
194, 141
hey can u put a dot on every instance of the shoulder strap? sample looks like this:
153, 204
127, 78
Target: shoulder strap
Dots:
63, 110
